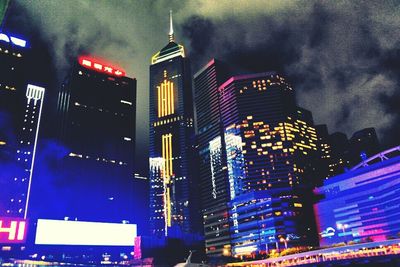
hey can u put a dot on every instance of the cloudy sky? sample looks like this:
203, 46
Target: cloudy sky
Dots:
342, 57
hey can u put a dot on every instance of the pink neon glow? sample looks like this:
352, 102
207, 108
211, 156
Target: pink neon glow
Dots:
12, 230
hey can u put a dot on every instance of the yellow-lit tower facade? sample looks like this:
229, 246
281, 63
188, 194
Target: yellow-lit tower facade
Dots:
172, 208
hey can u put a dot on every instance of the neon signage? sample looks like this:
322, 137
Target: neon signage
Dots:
12, 230
13, 40
328, 232
94, 64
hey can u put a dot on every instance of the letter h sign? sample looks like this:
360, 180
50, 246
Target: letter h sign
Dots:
12, 230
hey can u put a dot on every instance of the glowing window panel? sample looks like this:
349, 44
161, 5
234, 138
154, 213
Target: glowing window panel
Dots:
57, 232
4, 38
97, 65
18, 42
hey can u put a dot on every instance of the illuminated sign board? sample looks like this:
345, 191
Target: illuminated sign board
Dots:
12, 230
94, 64
13, 40
57, 232
328, 232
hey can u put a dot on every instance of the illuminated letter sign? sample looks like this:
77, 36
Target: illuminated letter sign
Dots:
86, 63
97, 66
12, 230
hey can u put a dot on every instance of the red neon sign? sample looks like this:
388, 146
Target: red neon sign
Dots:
12, 230
94, 64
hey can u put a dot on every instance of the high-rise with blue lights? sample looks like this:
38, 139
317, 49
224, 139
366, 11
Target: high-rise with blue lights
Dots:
20, 112
269, 146
172, 200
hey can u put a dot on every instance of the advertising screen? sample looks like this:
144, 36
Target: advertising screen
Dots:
57, 232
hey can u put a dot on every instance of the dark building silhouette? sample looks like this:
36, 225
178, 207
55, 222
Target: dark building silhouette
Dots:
363, 144
96, 113
340, 153
213, 169
324, 156
337, 153
173, 197
14, 71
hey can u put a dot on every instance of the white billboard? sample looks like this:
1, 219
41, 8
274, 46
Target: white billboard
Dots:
57, 232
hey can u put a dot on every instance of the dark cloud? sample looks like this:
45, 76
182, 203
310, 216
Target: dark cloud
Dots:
341, 56
338, 55
199, 31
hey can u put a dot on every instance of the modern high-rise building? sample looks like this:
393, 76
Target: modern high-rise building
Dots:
20, 112
213, 172
340, 153
269, 146
173, 208
13, 81
95, 177
18, 178
324, 156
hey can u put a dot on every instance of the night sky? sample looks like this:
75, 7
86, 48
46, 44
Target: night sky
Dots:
342, 57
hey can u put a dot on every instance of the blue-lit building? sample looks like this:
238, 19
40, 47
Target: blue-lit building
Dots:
363, 203
270, 143
265, 220
20, 112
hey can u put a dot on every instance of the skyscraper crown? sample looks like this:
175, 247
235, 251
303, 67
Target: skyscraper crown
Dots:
172, 49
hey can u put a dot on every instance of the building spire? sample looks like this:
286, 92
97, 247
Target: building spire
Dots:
171, 28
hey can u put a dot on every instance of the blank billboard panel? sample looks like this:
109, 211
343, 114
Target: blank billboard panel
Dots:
57, 232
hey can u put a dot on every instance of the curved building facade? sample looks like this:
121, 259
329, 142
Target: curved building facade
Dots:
362, 204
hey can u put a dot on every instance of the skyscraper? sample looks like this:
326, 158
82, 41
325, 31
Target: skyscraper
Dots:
96, 112
20, 112
324, 156
269, 143
212, 157
172, 202
13, 81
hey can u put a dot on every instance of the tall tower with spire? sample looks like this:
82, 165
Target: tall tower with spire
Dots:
173, 210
